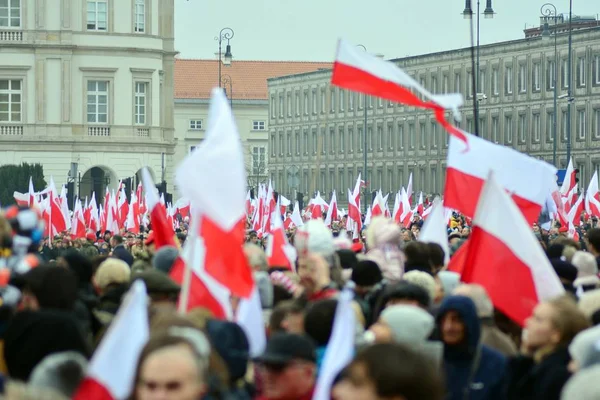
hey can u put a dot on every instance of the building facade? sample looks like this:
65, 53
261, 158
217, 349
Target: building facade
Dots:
316, 130
86, 89
245, 84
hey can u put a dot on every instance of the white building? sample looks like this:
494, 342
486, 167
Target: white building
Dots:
88, 82
247, 80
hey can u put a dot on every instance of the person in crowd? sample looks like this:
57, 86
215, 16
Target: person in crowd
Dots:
584, 349
47, 287
567, 273
389, 371
162, 290
287, 368
403, 293
111, 282
417, 257
473, 370
541, 370
384, 242
583, 385
33, 335
260, 270
422, 279
592, 242
369, 285
318, 324
587, 271
119, 250
436, 257
287, 316
408, 325
174, 365
82, 267
491, 336
316, 261
165, 258
446, 282
62, 372
589, 303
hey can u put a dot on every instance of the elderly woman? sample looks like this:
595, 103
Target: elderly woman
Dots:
384, 241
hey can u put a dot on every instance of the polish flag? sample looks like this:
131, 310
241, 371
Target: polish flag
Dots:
56, 217
332, 212
78, 224
407, 214
250, 318
92, 221
570, 180
32, 197
377, 208
354, 213
397, 208
359, 71
22, 199
64, 206
592, 197
132, 223
426, 212
296, 217
279, 251
435, 229
528, 180
249, 211
419, 208
574, 215
284, 203
505, 257
123, 207
368, 217
112, 215
218, 164
111, 373
164, 235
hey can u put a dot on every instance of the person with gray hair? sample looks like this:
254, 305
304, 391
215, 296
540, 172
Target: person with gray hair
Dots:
587, 271
258, 262
583, 385
62, 372
491, 336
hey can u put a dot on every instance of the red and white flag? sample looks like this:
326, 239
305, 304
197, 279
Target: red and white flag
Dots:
359, 71
419, 208
435, 229
64, 206
164, 235
527, 179
78, 223
296, 217
332, 212
569, 180
407, 213
280, 253
409, 189
505, 257
213, 178
56, 219
592, 197
111, 373
132, 223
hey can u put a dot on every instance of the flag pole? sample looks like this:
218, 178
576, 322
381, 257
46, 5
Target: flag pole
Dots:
184, 296
473, 79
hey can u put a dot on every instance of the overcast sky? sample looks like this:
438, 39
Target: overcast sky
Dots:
308, 29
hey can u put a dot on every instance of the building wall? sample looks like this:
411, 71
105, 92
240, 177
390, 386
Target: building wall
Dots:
54, 53
248, 115
316, 131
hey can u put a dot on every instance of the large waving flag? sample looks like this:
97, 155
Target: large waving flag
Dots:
213, 178
332, 211
435, 229
527, 179
592, 197
518, 275
570, 181
164, 235
359, 71
111, 372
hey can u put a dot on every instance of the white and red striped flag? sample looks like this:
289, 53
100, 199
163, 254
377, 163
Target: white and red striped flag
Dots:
332, 212
111, 373
505, 257
213, 178
164, 235
528, 180
592, 197
78, 223
359, 71
569, 181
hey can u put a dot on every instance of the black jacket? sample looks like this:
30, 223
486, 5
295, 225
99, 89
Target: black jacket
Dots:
122, 253
544, 381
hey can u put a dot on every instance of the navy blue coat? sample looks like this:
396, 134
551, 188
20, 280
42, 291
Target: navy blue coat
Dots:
489, 380
123, 254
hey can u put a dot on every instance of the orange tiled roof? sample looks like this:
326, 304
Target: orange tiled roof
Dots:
194, 79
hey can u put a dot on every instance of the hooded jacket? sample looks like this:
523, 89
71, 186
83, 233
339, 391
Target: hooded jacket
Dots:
471, 358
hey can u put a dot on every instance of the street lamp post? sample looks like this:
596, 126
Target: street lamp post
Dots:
569, 90
226, 80
468, 14
364, 142
224, 34
549, 10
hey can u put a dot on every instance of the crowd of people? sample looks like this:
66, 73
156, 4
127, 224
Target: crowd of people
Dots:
421, 334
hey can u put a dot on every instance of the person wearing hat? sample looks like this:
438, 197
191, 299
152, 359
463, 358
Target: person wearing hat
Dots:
567, 273
287, 368
162, 290
369, 284
317, 260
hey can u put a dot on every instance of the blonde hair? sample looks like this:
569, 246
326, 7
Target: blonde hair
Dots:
111, 271
589, 302
422, 279
20, 391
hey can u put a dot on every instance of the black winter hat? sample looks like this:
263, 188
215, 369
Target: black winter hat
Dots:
347, 258
231, 343
54, 287
564, 269
366, 273
33, 335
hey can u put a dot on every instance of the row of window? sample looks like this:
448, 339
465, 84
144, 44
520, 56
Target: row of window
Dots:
389, 179
197, 125
97, 101
320, 100
342, 139
97, 15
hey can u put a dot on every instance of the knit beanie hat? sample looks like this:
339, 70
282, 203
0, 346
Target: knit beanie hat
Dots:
422, 279
347, 258
409, 324
564, 269
314, 237
165, 258
366, 273
583, 346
